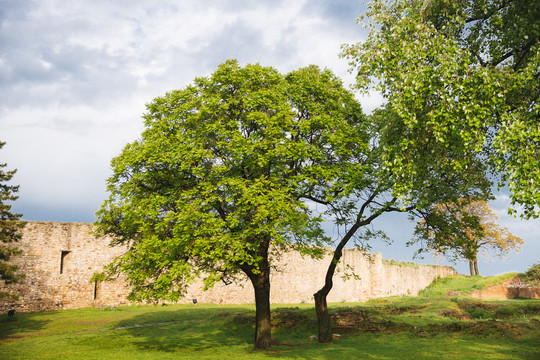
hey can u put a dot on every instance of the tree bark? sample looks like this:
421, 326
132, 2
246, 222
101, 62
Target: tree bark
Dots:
323, 316
260, 279
471, 267
263, 330
476, 267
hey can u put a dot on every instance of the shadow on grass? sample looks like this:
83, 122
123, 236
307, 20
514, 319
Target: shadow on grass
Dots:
403, 330
21, 323
224, 332
368, 333
193, 329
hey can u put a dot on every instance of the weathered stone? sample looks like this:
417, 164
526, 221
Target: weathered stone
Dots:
508, 289
59, 260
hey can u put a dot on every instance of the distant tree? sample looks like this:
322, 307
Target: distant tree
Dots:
220, 180
463, 230
532, 275
10, 230
463, 74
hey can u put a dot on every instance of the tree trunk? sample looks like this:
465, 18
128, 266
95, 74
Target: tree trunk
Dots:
476, 267
263, 332
260, 279
323, 316
321, 307
471, 268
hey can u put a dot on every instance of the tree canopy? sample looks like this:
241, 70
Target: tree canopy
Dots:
10, 229
369, 193
462, 76
463, 230
218, 184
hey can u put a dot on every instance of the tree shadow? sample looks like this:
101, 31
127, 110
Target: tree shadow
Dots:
229, 330
188, 329
20, 323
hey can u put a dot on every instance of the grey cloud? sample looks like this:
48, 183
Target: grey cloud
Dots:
236, 41
36, 52
341, 14
337, 9
246, 44
67, 75
235, 5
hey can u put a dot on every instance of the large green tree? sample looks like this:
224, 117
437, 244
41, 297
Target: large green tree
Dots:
220, 182
10, 229
462, 74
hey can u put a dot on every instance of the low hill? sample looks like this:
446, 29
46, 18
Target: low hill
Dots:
505, 286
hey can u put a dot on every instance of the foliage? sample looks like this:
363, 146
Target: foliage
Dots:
218, 183
367, 195
461, 77
532, 275
10, 230
463, 229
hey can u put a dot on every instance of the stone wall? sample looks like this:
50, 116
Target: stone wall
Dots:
60, 258
508, 289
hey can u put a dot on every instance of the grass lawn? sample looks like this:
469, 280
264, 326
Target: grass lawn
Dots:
388, 328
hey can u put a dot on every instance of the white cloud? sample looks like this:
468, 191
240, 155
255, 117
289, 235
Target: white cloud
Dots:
75, 77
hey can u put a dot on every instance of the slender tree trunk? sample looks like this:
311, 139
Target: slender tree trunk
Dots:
476, 267
471, 267
323, 316
321, 307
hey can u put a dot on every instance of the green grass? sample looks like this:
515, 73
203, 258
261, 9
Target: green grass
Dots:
463, 284
387, 328
401, 263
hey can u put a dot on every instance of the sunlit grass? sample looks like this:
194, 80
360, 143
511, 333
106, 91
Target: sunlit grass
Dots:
462, 284
390, 328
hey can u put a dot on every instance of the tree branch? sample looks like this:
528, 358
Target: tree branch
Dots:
314, 199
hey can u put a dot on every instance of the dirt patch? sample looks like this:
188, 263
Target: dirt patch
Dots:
454, 313
496, 327
508, 289
291, 318
351, 320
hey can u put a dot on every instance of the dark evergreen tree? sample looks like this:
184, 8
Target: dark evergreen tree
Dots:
10, 230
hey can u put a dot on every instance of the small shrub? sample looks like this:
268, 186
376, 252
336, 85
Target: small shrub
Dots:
532, 276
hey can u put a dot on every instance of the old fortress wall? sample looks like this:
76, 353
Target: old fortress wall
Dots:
59, 260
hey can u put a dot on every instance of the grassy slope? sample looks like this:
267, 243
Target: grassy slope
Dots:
388, 328
463, 284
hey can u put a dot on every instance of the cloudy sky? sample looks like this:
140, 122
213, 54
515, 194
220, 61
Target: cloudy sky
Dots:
75, 77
